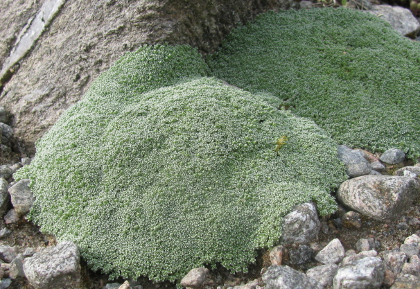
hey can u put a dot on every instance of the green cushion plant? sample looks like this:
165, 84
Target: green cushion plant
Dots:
160, 169
347, 70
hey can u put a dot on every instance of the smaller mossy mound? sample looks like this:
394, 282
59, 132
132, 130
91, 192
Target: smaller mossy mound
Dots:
152, 175
347, 70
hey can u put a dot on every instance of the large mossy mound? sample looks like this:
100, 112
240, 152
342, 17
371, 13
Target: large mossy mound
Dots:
347, 70
160, 169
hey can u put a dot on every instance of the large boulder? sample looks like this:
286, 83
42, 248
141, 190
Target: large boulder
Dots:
379, 197
86, 37
400, 18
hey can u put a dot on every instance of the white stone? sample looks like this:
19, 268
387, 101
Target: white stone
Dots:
364, 273
412, 239
332, 253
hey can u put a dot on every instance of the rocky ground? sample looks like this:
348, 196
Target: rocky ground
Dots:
17, 232
300, 248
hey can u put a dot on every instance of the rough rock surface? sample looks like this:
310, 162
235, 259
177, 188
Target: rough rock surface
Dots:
365, 273
356, 164
86, 37
412, 169
54, 267
393, 156
195, 278
332, 253
379, 197
406, 281
18, 13
287, 278
301, 225
22, 197
401, 19
324, 274
394, 260
4, 196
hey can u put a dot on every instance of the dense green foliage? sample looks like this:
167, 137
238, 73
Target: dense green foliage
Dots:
347, 70
160, 169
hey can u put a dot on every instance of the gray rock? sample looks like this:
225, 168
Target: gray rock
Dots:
301, 225
365, 244
41, 90
413, 169
21, 197
356, 164
16, 268
379, 197
287, 278
5, 283
32, 31
332, 253
29, 252
5, 172
303, 254
7, 253
352, 258
412, 239
6, 133
393, 156
11, 217
406, 281
4, 196
305, 5
3, 115
401, 19
324, 274
394, 260
54, 267
409, 174
5, 233
195, 278
412, 267
25, 161
112, 286
365, 273
377, 166
410, 249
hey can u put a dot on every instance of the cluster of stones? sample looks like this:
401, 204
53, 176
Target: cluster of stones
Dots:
367, 193
360, 268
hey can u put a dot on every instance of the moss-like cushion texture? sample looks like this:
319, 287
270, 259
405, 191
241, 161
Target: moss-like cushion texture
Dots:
347, 70
160, 169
